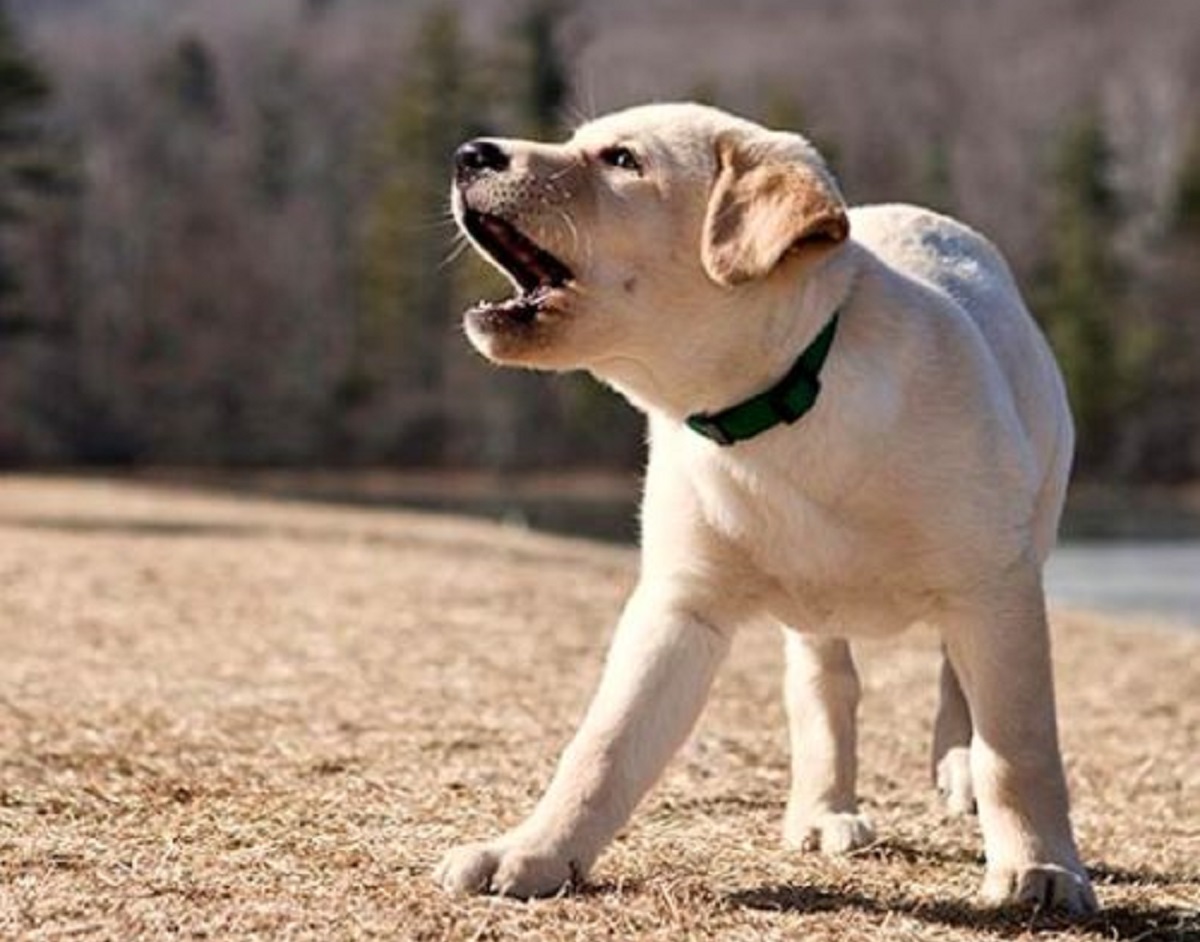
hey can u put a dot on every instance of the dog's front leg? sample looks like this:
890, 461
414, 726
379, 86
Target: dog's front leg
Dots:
1000, 650
659, 671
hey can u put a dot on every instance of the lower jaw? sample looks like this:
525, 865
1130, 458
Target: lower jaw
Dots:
496, 321
505, 339
541, 345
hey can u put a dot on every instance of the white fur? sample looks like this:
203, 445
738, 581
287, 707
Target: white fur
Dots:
925, 486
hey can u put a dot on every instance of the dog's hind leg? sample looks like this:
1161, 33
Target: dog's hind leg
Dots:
952, 744
821, 693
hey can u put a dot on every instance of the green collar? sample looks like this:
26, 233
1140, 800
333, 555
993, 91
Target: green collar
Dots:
785, 402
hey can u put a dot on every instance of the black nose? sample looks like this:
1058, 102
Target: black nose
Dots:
479, 155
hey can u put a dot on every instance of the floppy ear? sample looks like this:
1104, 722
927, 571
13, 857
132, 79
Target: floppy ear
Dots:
763, 206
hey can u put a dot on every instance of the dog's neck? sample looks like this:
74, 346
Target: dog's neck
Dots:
766, 326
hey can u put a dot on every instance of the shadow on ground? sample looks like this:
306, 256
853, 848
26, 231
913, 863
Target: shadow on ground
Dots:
1150, 923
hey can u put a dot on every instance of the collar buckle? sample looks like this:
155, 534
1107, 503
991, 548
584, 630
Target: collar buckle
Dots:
710, 428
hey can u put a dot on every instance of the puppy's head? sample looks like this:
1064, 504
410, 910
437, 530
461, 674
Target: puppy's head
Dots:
647, 226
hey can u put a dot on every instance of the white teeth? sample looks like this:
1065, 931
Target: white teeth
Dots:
523, 307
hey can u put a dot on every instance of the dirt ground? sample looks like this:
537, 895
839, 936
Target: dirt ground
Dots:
227, 718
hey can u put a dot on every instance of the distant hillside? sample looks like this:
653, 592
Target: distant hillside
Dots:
29, 8
254, 265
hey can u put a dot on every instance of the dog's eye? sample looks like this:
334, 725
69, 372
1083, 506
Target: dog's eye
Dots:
622, 158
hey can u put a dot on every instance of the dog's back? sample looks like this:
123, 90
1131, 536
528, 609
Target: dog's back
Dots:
958, 262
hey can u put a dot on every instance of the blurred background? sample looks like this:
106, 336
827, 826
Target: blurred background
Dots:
225, 240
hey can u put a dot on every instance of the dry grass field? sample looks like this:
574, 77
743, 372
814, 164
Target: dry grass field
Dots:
226, 718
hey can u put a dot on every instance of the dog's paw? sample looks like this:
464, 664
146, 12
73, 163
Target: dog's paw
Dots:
506, 870
1042, 886
954, 781
830, 832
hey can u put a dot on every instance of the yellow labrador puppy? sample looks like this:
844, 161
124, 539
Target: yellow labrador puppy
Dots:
855, 425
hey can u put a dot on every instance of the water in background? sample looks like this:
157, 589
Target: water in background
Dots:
1129, 556
1132, 559
1119, 554
1159, 580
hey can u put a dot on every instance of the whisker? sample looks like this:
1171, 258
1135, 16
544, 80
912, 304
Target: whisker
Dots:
571, 228
430, 225
580, 244
455, 253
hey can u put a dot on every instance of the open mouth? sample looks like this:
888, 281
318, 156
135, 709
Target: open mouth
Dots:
534, 270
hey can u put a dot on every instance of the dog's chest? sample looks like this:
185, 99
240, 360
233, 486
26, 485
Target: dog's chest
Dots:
820, 569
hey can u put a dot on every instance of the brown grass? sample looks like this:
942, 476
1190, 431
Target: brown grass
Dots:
225, 718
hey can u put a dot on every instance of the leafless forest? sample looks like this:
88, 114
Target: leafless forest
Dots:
224, 237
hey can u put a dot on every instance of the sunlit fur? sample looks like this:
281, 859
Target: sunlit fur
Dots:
925, 486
